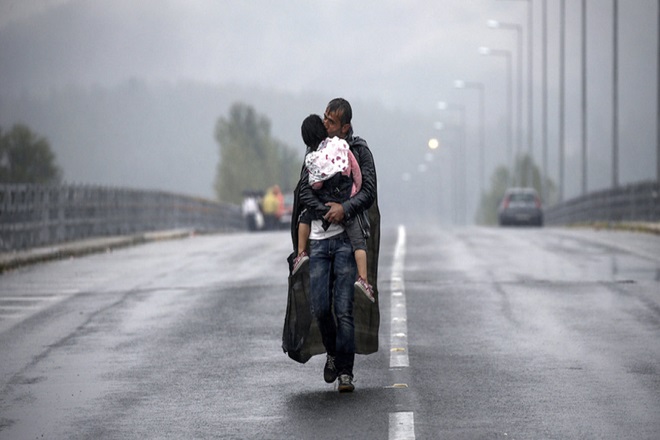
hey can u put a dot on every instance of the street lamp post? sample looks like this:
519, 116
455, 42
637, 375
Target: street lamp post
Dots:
530, 82
518, 28
562, 96
440, 126
453, 193
434, 178
460, 84
615, 95
530, 87
584, 97
507, 55
459, 193
544, 117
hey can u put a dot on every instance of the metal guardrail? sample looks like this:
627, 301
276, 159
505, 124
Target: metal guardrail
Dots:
41, 215
632, 203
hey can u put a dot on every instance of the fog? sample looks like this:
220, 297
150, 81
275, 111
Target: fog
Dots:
128, 92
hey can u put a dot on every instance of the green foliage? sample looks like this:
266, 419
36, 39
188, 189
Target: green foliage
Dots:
526, 174
26, 158
250, 159
487, 212
289, 167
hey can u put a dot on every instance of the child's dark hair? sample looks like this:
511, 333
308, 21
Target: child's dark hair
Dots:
313, 131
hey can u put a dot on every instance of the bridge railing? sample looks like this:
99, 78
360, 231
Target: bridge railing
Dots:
41, 215
638, 202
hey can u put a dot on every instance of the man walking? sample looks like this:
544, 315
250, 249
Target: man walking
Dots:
332, 263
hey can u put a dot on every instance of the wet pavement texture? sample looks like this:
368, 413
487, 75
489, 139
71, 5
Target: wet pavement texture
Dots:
512, 333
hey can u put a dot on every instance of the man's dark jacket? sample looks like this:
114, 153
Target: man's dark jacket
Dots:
301, 338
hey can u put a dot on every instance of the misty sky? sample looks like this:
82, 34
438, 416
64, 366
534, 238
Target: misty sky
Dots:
402, 54
395, 51
405, 53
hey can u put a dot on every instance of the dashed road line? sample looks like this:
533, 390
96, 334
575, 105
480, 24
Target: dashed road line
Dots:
399, 326
401, 424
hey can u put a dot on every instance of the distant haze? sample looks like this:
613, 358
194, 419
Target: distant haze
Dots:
128, 92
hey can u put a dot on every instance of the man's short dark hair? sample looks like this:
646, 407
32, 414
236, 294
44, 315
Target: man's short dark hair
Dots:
313, 131
343, 107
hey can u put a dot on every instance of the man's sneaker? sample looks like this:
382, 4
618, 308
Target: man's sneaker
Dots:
330, 370
365, 288
346, 383
299, 261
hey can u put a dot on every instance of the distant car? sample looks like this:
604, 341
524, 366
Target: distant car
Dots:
520, 206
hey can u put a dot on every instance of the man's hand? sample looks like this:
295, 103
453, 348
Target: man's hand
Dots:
336, 213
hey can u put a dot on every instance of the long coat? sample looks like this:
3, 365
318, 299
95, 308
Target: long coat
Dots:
301, 337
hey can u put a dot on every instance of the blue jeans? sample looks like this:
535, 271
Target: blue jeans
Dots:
332, 273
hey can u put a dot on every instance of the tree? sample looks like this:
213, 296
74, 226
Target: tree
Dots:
524, 169
26, 157
487, 212
250, 159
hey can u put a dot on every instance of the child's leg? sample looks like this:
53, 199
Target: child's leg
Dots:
361, 261
359, 247
304, 230
362, 282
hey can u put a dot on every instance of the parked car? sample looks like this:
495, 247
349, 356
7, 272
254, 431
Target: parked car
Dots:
520, 206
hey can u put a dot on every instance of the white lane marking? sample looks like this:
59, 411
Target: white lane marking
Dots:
399, 326
28, 298
402, 426
15, 307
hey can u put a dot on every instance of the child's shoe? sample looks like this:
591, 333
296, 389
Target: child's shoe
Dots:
299, 261
366, 288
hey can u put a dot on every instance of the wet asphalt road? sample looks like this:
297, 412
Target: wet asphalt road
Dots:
511, 334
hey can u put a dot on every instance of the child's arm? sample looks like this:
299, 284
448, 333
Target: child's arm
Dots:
311, 163
354, 168
367, 194
308, 197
